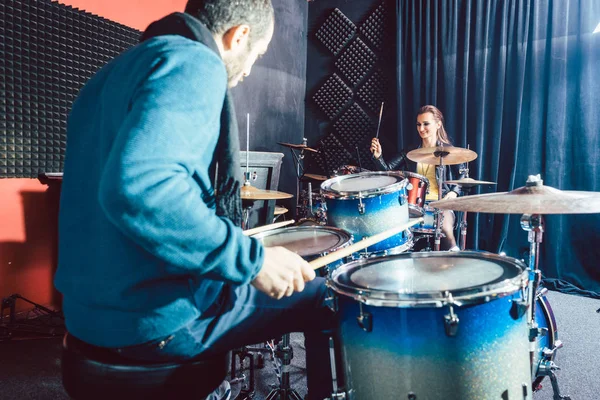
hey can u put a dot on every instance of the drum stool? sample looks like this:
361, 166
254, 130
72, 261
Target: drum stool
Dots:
90, 372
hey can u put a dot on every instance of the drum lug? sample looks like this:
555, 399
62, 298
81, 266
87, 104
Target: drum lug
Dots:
520, 307
403, 199
451, 320
365, 319
361, 206
537, 332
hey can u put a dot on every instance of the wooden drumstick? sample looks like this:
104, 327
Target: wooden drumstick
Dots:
363, 244
254, 231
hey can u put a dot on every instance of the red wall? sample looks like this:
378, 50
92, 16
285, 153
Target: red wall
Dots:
134, 13
28, 209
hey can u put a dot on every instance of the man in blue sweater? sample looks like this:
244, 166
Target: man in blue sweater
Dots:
152, 262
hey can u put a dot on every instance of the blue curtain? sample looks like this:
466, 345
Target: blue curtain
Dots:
518, 82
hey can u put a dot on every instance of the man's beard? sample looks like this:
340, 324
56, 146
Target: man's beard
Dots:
235, 67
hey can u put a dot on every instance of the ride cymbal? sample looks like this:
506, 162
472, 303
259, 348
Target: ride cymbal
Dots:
531, 199
433, 155
298, 147
252, 193
469, 182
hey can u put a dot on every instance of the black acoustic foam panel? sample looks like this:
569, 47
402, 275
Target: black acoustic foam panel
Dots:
47, 52
351, 96
374, 27
333, 96
336, 31
356, 61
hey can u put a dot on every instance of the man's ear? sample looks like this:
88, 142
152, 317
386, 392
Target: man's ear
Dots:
235, 37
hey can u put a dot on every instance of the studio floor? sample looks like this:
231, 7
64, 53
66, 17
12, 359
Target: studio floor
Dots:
30, 369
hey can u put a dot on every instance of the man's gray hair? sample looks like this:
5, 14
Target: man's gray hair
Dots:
221, 15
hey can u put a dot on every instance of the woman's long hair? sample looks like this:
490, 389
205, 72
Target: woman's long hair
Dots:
442, 135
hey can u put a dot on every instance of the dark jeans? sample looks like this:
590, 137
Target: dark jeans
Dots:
244, 316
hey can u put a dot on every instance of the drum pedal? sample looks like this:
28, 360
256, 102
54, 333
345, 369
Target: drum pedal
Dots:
547, 368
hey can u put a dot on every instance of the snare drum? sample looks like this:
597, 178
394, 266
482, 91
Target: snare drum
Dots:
433, 326
417, 191
309, 242
368, 203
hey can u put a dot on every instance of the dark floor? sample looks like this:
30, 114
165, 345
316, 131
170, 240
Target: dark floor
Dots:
30, 369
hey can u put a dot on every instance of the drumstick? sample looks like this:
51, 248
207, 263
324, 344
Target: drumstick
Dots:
346, 251
254, 231
379, 123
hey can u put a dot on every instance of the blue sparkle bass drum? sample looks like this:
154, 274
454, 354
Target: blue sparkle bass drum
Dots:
439, 325
368, 203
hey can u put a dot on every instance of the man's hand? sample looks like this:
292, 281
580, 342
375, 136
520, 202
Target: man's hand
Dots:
283, 273
376, 148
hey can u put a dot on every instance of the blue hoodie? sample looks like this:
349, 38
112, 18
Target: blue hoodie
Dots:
141, 250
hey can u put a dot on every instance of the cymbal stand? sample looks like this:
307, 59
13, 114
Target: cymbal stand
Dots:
440, 215
463, 222
284, 391
298, 160
534, 225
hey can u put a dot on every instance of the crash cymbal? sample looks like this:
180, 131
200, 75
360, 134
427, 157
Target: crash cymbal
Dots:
433, 155
315, 177
532, 199
298, 147
252, 193
468, 182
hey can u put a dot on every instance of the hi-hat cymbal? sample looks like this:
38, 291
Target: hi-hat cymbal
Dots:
252, 193
433, 155
468, 182
298, 147
315, 177
535, 199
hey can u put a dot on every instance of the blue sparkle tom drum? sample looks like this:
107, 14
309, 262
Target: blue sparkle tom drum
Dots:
368, 203
434, 326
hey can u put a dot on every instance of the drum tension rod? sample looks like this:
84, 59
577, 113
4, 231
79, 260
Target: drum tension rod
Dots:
365, 319
450, 320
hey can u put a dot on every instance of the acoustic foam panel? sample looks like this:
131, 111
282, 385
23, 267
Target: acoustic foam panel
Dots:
47, 52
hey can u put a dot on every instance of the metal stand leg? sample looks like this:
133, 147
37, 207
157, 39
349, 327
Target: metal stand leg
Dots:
284, 392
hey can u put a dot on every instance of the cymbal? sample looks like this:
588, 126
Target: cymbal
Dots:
468, 182
433, 155
536, 199
252, 193
298, 147
315, 177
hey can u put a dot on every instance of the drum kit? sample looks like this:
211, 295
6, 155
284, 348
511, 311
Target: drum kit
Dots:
428, 325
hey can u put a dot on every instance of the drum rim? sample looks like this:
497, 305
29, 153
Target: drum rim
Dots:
465, 296
345, 236
415, 175
329, 193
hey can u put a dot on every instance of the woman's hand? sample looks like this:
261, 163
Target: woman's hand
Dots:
376, 148
450, 195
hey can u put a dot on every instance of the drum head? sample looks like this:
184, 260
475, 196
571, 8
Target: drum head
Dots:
364, 184
406, 280
306, 241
